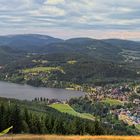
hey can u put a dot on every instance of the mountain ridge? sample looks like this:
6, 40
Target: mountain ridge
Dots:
104, 49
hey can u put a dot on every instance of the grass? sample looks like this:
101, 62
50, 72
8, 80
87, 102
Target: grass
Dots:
55, 137
65, 108
112, 101
72, 62
43, 69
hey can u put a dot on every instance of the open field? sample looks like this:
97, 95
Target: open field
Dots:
42, 69
55, 137
65, 108
113, 101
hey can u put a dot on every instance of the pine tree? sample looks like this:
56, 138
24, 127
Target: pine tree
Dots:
2, 117
16, 119
57, 128
41, 126
25, 127
98, 129
73, 126
49, 122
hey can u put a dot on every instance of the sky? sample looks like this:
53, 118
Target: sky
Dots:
72, 18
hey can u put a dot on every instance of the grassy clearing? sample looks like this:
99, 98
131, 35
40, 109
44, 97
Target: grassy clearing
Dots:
43, 69
55, 137
113, 102
65, 108
72, 62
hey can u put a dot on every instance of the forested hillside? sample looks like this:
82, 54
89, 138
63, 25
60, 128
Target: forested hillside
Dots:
8, 55
52, 62
37, 117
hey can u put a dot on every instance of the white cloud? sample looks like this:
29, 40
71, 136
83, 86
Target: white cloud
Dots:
71, 14
54, 2
14, 4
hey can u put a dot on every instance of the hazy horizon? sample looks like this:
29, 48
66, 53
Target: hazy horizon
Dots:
68, 37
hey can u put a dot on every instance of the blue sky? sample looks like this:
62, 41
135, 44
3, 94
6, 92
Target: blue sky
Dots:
72, 18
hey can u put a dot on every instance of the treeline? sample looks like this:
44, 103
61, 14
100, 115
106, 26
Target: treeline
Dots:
52, 122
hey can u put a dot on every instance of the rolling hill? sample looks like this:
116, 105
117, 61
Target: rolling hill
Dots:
124, 44
95, 60
109, 49
27, 42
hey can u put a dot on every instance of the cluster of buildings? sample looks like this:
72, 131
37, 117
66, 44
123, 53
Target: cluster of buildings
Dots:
129, 116
121, 93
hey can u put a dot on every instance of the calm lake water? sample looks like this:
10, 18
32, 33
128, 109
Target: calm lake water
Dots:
25, 92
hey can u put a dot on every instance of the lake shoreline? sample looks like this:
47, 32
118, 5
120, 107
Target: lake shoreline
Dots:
27, 92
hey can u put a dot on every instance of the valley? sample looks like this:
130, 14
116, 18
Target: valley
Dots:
49, 82
68, 63
69, 70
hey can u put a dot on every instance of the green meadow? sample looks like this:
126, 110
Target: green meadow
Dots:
112, 101
65, 108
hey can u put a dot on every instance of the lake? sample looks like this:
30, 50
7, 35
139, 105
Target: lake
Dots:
26, 92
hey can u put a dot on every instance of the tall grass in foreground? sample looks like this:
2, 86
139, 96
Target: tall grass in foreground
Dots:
54, 137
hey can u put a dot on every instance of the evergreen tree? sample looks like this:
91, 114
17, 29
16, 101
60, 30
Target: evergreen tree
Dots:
2, 117
98, 128
25, 127
16, 119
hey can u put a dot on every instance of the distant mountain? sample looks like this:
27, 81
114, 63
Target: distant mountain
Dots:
124, 44
95, 60
89, 47
28, 41
109, 49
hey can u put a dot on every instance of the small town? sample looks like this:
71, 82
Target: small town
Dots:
124, 101
126, 96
